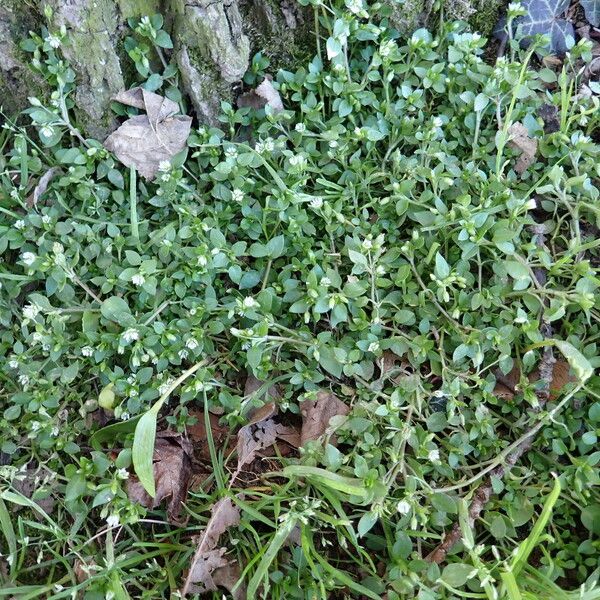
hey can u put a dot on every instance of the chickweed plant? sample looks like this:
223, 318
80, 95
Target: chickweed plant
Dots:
374, 240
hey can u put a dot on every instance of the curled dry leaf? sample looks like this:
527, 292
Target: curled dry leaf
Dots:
144, 141
207, 557
42, 186
550, 116
265, 94
316, 415
520, 140
172, 472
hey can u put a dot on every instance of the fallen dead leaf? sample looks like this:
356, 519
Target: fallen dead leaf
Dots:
172, 473
32, 484
220, 435
227, 577
520, 140
316, 415
549, 114
255, 437
144, 141
41, 186
507, 385
208, 558
264, 94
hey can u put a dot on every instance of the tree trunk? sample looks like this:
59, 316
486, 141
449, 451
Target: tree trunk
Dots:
213, 43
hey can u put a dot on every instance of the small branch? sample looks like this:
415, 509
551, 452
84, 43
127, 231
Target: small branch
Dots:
484, 492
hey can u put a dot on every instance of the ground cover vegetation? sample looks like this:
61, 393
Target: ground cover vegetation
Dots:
341, 346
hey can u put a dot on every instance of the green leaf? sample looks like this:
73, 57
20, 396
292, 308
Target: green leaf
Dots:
457, 574
329, 362
577, 361
117, 310
142, 451
444, 503
366, 523
163, 40
590, 518
516, 269
276, 246
442, 268
116, 179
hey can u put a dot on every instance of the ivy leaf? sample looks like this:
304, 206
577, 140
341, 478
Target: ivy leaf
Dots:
544, 17
592, 11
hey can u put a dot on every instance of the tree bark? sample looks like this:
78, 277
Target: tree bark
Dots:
213, 44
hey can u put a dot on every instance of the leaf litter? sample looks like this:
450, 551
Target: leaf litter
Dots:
263, 95
145, 141
172, 467
316, 415
526, 145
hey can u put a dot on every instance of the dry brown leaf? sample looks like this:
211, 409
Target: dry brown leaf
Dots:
227, 577
255, 437
33, 484
144, 141
549, 114
220, 436
172, 473
316, 415
520, 140
208, 558
42, 186
507, 385
264, 94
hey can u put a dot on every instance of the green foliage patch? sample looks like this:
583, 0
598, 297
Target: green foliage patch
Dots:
379, 217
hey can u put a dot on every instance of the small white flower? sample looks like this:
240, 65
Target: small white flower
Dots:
53, 41
130, 335
202, 261
269, 144
46, 219
325, 281
37, 337
437, 122
31, 311
403, 507
354, 6
13, 364
191, 343
47, 130
133, 393
164, 166
58, 248
183, 354
28, 258
123, 474
300, 127
367, 244
231, 152
24, 381
193, 311
138, 279
20, 225
249, 302
125, 416
87, 351
112, 520
316, 202
373, 347
163, 388
434, 455
237, 195
333, 144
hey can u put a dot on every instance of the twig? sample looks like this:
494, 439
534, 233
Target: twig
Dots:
484, 492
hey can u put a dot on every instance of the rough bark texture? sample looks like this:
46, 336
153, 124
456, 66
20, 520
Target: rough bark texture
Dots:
214, 41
